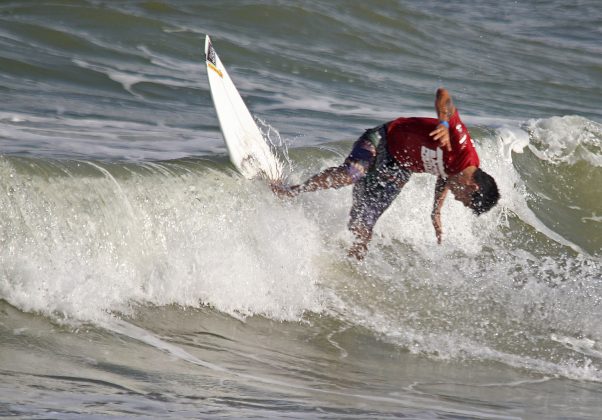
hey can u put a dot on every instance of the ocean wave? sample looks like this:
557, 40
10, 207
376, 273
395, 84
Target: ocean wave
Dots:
84, 241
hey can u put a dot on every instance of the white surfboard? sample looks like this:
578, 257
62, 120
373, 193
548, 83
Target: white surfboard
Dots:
248, 150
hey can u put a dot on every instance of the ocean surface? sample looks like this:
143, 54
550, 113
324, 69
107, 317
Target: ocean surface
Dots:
141, 276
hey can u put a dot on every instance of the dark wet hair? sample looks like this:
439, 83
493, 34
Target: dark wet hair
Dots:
487, 196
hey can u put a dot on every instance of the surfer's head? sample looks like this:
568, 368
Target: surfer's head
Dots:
475, 189
487, 194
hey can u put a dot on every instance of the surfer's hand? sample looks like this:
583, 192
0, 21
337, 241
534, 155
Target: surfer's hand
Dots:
282, 190
441, 135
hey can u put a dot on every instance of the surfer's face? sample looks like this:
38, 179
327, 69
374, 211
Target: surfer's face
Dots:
463, 185
463, 190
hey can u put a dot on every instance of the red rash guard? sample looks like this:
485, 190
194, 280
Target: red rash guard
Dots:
408, 141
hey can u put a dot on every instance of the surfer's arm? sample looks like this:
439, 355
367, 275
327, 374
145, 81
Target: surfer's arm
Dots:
440, 194
335, 177
445, 109
444, 105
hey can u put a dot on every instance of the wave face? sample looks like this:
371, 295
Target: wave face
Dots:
118, 204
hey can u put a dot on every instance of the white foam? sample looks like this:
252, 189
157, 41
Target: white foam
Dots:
85, 247
513, 140
566, 139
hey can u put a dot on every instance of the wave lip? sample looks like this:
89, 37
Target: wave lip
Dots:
569, 139
561, 168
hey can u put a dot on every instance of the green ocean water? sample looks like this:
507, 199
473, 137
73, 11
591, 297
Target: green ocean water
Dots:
141, 276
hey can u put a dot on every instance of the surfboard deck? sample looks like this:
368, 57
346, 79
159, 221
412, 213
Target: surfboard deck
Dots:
249, 152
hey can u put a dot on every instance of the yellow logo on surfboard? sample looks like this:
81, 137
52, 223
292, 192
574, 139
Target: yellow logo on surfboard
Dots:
215, 69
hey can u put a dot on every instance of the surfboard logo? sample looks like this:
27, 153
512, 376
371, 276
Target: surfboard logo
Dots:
211, 55
212, 60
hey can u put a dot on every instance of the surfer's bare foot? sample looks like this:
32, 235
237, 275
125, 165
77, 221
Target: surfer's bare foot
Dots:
360, 246
357, 251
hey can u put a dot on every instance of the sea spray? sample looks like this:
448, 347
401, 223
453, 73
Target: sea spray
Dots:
81, 239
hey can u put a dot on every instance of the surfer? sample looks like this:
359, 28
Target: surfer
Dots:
383, 159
